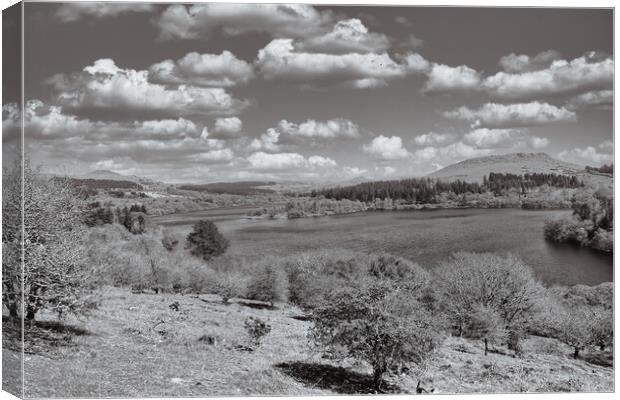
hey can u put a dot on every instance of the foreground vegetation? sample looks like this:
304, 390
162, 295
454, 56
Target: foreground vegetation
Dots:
362, 322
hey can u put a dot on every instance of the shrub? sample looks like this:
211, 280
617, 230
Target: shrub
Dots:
169, 240
206, 241
502, 284
267, 283
229, 285
256, 329
376, 322
54, 272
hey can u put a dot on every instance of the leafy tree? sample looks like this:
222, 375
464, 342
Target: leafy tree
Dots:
206, 241
376, 322
54, 274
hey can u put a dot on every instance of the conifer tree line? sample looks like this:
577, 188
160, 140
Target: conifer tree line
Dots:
426, 190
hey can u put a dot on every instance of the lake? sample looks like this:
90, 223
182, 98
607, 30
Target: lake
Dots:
426, 237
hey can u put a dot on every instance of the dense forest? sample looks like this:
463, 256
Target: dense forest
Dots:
427, 190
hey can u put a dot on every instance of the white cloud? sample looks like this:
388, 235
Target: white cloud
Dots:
279, 60
597, 98
538, 143
70, 12
268, 141
45, 122
449, 154
434, 139
104, 85
227, 128
214, 156
281, 161
496, 115
491, 138
446, 78
586, 156
333, 128
200, 20
347, 36
588, 72
514, 63
387, 148
219, 70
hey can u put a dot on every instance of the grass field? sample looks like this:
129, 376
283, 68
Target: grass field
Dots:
137, 345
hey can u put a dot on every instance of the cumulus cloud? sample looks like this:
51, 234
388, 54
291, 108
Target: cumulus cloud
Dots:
106, 86
386, 148
70, 12
494, 115
537, 143
279, 60
446, 78
347, 36
451, 153
491, 138
589, 155
267, 141
333, 128
219, 70
523, 63
589, 72
434, 139
597, 98
281, 161
227, 128
45, 122
279, 20
290, 132
607, 146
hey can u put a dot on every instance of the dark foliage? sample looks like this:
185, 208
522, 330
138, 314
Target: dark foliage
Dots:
427, 190
206, 241
239, 188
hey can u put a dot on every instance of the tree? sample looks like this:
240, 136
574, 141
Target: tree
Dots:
377, 322
206, 241
54, 274
486, 324
503, 284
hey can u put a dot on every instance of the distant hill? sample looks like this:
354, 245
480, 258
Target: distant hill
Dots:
239, 188
106, 175
474, 169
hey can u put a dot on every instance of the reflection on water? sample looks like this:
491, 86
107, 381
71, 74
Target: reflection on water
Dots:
426, 237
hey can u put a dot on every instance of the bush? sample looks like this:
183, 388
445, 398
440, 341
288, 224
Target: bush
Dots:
376, 322
267, 283
169, 240
54, 272
256, 329
206, 241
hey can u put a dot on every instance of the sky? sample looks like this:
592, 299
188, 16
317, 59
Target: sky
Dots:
228, 92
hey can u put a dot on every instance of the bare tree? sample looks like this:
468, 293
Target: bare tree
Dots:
53, 274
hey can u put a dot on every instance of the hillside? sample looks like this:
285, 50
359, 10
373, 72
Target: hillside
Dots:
474, 169
197, 349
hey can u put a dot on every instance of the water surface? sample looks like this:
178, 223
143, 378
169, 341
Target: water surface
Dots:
426, 237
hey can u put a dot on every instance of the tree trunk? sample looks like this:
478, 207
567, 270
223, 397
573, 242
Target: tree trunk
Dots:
576, 353
377, 378
30, 314
486, 346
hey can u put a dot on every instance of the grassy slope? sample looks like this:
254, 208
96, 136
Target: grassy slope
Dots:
138, 346
474, 169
